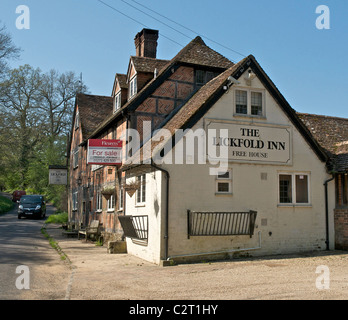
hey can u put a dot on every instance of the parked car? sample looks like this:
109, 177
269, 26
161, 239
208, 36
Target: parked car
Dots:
16, 195
32, 206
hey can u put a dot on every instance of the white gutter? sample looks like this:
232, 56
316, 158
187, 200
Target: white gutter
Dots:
218, 252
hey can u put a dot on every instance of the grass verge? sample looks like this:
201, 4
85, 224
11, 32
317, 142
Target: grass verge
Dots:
54, 244
5, 204
60, 218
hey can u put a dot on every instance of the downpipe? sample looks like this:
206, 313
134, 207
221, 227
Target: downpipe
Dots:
327, 213
166, 230
218, 252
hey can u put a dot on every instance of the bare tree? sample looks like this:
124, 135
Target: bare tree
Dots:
58, 92
7, 49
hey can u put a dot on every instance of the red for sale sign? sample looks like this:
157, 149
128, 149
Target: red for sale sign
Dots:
104, 152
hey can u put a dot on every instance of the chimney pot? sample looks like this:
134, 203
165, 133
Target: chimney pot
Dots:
146, 43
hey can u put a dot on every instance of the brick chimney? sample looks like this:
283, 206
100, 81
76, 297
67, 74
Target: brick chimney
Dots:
146, 43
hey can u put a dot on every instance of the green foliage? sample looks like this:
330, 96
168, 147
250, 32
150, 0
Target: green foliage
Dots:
59, 218
5, 204
99, 243
54, 244
35, 118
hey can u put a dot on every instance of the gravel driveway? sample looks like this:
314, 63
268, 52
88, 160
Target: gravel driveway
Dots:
95, 274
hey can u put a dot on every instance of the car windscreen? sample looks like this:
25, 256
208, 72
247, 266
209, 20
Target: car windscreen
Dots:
28, 200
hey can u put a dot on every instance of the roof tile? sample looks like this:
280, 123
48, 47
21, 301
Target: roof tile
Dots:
93, 110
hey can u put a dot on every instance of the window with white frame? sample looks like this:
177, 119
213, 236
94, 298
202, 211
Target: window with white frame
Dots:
111, 203
249, 102
99, 203
120, 200
224, 182
133, 87
77, 120
74, 201
294, 188
141, 191
117, 101
76, 157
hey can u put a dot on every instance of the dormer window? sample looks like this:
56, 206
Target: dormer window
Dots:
133, 87
117, 101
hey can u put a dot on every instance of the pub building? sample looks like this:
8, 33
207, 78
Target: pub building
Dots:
223, 165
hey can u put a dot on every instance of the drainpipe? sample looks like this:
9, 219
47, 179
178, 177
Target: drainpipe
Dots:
167, 208
327, 212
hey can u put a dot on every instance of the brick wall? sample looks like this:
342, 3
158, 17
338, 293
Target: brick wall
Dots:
341, 229
169, 95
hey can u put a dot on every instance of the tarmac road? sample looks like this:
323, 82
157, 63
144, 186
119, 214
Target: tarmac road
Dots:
22, 244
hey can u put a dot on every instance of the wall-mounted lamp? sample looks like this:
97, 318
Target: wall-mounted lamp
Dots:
250, 77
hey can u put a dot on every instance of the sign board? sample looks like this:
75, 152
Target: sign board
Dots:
58, 175
250, 142
104, 152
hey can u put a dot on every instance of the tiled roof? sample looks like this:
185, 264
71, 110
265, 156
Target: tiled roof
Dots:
341, 162
92, 111
183, 115
330, 132
195, 108
122, 80
202, 96
196, 52
332, 135
144, 64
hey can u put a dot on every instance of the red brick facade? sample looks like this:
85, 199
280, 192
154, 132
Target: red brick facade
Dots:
176, 86
341, 212
341, 229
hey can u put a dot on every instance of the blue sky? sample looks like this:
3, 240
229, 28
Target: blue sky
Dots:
306, 64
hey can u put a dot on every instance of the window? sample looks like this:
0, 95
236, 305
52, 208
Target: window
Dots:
120, 199
99, 202
241, 102
202, 77
76, 158
294, 188
224, 182
341, 189
74, 201
256, 103
133, 87
249, 102
114, 133
141, 192
84, 207
117, 101
77, 121
111, 203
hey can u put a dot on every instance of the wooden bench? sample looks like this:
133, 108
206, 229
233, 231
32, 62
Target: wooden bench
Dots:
70, 229
93, 229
